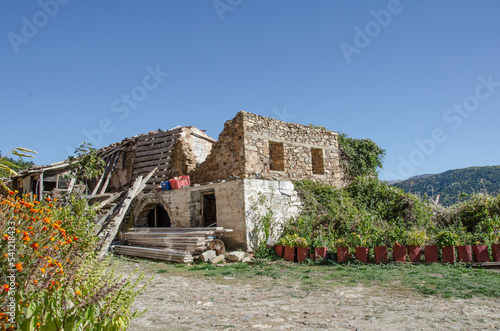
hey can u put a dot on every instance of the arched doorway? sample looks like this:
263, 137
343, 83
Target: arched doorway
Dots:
158, 217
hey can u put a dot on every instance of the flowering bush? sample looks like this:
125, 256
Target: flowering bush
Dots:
50, 276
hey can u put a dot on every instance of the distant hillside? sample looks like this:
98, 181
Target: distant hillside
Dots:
451, 183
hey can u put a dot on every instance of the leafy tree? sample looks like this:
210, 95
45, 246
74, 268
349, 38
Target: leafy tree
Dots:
86, 164
359, 157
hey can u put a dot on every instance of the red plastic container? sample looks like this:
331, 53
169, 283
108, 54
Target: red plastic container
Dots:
179, 182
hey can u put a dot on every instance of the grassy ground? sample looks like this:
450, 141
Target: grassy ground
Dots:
448, 281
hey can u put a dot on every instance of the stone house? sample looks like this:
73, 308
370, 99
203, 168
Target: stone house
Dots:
245, 175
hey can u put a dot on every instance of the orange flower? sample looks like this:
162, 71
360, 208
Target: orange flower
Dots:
5, 237
19, 266
35, 246
42, 270
5, 255
11, 193
48, 199
78, 292
6, 287
38, 324
35, 281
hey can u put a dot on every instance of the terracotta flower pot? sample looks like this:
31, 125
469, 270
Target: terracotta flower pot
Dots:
431, 253
415, 253
362, 254
399, 253
465, 254
302, 253
342, 254
380, 254
279, 249
480, 253
448, 254
289, 253
495, 251
320, 252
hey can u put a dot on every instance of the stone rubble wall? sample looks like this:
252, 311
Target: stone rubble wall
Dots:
297, 140
227, 159
241, 205
243, 151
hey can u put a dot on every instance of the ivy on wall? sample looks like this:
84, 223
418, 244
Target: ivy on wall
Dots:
359, 157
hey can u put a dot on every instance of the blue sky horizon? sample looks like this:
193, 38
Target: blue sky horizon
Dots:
421, 79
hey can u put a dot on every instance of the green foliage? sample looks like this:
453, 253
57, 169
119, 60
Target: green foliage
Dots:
7, 165
18, 164
454, 186
300, 242
447, 238
61, 285
416, 237
86, 164
359, 157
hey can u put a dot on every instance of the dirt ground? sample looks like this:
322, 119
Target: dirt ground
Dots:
185, 301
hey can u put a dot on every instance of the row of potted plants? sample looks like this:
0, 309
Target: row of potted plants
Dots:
295, 248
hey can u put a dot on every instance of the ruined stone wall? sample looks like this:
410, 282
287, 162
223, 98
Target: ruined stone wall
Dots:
184, 208
277, 200
241, 205
227, 158
253, 146
297, 141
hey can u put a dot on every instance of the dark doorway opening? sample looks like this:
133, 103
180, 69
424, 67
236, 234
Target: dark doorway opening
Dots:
209, 209
158, 218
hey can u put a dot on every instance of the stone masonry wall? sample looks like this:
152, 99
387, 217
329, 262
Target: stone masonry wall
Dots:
298, 141
241, 205
227, 159
243, 150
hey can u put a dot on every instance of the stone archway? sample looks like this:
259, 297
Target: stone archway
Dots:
152, 211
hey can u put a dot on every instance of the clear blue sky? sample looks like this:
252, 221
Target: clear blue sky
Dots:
386, 70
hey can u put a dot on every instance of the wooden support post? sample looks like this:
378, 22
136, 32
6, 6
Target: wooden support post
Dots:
40, 187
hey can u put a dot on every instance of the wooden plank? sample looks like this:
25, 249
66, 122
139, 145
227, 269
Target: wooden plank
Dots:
158, 140
106, 169
164, 156
153, 151
157, 162
160, 134
110, 172
145, 170
133, 192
